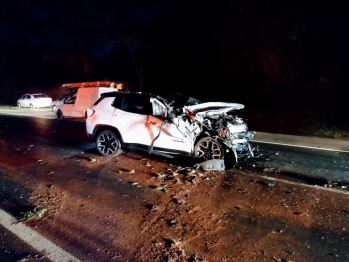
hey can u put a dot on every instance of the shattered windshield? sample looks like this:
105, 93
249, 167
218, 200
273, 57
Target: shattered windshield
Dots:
193, 101
177, 100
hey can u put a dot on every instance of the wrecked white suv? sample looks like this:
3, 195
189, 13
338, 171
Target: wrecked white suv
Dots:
184, 126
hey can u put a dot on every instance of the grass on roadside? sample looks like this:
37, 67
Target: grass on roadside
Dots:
24, 108
302, 123
8, 107
37, 212
322, 130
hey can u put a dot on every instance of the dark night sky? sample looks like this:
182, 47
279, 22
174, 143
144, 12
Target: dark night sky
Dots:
262, 52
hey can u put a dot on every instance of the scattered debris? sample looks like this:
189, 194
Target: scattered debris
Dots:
183, 170
268, 169
178, 201
171, 222
172, 242
162, 188
159, 175
132, 171
199, 174
92, 159
152, 207
213, 164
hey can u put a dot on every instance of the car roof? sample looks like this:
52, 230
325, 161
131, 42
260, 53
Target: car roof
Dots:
138, 94
173, 98
147, 94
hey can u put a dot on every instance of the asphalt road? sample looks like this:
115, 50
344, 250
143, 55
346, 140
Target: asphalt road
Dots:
282, 171
44, 126
299, 156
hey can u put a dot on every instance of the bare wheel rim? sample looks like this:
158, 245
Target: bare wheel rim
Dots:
107, 143
207, 148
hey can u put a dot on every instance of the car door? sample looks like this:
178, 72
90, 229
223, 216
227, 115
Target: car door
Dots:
166, 136
68, 108
130, 118
27, 100
140, 121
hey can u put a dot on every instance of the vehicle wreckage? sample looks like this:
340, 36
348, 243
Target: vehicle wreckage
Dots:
212, 131
183, 126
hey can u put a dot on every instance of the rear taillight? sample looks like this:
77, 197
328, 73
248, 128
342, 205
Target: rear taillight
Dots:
90, 112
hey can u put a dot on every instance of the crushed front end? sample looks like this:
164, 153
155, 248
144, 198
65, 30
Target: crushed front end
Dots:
230, 130
211, 128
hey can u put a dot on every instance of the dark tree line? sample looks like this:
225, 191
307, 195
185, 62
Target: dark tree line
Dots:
260, 52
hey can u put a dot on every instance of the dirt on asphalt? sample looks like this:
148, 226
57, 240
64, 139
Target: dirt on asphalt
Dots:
138, 207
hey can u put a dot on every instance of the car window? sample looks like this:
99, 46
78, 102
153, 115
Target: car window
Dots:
40, 96
159, 109
117, 103
64, 97
71, 100
136, 105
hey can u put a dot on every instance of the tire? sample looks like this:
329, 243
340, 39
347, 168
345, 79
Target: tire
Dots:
108, 144
207, 148
19, 105
59, 114
31, 106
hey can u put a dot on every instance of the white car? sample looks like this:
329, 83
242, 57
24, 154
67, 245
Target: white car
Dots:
34, 101
185, 126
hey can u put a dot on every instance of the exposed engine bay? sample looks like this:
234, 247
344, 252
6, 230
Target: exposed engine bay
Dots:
212, 131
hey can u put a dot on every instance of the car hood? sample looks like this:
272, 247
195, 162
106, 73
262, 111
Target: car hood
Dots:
213, 107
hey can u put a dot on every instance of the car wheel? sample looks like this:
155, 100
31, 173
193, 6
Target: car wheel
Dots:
19, 105
207, 148
59, 114
108, 144
31, 106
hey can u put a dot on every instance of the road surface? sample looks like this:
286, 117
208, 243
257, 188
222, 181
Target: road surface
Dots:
138, 207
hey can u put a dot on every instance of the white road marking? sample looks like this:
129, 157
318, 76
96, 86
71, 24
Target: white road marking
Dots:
308, 147
34, 239
299, 184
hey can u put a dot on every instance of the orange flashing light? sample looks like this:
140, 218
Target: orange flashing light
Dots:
87, 84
